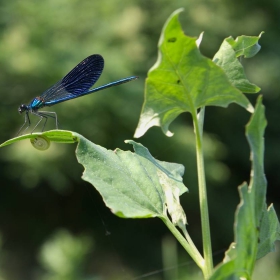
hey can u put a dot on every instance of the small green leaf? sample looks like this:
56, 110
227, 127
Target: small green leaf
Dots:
129, 183
226, 58
256, 228
183, 80
248, 46
266, 218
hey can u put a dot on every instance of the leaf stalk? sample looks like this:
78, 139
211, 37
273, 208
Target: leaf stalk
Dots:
187, 245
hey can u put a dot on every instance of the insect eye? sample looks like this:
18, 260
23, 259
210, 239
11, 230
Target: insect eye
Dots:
22, 108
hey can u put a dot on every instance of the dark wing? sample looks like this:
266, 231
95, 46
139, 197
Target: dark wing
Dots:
78, 81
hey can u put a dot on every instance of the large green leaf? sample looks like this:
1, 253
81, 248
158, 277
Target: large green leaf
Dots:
133, 185
265, 217
256, 228
183, 80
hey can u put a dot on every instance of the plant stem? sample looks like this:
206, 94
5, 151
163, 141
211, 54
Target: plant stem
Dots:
206, 237
189, 247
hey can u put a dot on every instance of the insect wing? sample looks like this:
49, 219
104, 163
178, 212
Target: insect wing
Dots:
78, 81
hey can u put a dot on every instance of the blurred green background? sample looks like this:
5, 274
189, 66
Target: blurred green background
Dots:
53, 225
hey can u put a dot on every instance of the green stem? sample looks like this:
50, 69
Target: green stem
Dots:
188, 246
206, 238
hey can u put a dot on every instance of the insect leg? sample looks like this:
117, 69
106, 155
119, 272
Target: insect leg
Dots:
45, 115
26, 120
41, 117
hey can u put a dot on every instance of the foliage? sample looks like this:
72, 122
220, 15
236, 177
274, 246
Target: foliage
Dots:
136, 185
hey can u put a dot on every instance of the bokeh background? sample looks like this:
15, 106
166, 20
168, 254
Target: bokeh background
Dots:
55, 226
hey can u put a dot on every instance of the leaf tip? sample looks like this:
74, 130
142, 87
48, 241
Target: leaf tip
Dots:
250, 108
199, 39
168, 133
138, 133
178, 11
